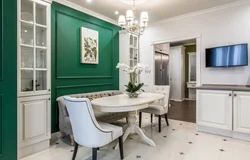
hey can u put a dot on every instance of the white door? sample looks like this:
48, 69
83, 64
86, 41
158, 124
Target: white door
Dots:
175, 75
33, 120
242, 112
214, 109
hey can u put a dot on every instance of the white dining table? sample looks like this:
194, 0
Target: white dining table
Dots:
122, 103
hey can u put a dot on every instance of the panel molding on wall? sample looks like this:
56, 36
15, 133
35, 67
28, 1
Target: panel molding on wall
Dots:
68, 75
83, 77
88, 85
1, 125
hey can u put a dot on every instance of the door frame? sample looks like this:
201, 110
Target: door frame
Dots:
177, 39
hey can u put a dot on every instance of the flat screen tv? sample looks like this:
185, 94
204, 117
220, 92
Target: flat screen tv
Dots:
227, 56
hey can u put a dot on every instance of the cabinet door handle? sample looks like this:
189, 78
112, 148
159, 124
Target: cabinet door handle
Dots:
235, 95
230, 94
49, 90
49, 99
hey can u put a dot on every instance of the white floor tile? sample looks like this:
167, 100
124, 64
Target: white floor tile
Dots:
179, 141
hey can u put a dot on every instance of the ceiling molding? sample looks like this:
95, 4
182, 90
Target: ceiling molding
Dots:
48, 1
241, 2
85, 10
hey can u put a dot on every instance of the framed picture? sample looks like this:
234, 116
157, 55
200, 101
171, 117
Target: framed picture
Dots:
89, 46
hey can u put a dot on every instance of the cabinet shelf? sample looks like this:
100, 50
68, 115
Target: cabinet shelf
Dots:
27, 22
26, 45
40, 25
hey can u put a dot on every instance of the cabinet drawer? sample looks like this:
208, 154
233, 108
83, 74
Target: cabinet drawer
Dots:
191, 85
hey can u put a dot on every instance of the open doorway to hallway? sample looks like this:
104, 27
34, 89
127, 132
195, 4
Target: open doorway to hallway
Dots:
175, 65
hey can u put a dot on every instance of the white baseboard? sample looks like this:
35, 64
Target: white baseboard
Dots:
33, 149
222, 132
216, 131
177, 100
190, 99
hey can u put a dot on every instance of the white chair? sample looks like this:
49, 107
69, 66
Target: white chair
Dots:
87, 131
159, 107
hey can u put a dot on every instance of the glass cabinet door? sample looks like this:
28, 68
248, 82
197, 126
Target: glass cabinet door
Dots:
33, 55
192, 67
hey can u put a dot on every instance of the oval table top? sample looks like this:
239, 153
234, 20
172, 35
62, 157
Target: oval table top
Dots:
122, 103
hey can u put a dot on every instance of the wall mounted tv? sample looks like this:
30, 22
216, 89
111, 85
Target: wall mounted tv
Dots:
227, 56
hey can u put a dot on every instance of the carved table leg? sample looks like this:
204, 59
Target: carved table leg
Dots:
134, 128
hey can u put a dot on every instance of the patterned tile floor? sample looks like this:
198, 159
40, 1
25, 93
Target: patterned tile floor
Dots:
179, 141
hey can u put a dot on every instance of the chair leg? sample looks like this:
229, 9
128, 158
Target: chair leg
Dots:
72, 140
75, 151
159, 123
94, 153
121, 147
140, 115
151, 118
166, 118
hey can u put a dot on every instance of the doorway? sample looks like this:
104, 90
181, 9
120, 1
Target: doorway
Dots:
181, 72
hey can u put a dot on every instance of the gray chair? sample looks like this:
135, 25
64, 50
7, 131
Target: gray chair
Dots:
159, 107
87, 131
64, 121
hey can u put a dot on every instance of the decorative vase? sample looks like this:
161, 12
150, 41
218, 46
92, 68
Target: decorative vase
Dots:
132, 94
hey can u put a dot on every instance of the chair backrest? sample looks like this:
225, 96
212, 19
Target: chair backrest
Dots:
86, 130
163, 90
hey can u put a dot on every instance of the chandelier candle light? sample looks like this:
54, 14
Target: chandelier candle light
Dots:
131, 24
133, 89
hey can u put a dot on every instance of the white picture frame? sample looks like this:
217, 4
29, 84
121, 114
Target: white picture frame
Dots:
89, 46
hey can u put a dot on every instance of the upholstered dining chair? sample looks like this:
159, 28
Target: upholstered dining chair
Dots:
87, 131
159, 107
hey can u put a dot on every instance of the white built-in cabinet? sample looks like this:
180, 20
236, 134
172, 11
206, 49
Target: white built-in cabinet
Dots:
241, 108
224, 110
34, 76
177, 73
214, 109
162, 48
128, 54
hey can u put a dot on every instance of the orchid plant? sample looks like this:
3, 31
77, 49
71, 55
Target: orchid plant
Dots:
133, 73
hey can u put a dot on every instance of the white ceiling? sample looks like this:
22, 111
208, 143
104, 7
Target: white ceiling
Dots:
157, 9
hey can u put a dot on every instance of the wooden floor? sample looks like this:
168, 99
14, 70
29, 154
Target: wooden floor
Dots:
183, 111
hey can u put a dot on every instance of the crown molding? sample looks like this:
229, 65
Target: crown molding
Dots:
238, 3
48, 1
85, 10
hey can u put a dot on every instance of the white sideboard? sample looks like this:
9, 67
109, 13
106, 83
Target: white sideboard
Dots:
224, 112
34, 93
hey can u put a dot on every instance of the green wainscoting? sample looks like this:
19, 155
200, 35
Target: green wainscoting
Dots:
191, 48
8, 80
68, 75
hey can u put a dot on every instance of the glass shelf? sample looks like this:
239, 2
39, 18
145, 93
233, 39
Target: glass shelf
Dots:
41, 83
27, 80
41, 33
27, 34
41, 14
41, 58
27, 10
27, 57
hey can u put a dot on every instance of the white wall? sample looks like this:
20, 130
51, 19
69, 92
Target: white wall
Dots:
226, 26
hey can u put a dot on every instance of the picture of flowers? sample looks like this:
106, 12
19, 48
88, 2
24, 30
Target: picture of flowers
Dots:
89, 46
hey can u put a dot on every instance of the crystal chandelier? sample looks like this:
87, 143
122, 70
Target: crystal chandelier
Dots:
131, 24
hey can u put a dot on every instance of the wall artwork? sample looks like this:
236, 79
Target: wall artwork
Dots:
89, 46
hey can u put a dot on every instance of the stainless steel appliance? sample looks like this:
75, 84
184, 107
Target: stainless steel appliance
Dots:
161, 69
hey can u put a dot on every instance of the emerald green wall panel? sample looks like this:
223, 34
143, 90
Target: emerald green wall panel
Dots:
70, 47
8, 80
69, 75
